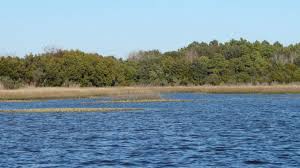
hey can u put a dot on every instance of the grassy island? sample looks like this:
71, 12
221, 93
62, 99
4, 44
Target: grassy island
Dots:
48, 110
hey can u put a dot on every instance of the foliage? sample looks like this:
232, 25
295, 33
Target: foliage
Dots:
8, 83
215, 63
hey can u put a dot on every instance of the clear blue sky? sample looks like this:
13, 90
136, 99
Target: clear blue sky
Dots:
117, 27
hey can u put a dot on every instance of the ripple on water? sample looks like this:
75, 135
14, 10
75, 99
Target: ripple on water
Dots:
255, 162
215, 130
100, 162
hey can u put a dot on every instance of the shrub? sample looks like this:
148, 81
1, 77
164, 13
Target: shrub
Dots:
8, 83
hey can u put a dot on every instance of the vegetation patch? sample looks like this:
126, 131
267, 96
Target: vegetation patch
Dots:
200, 63
20, 101
47, 110
136, 93
138, 101
65, 92
143, 94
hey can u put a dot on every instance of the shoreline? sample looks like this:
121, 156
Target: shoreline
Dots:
63, 110
48, 93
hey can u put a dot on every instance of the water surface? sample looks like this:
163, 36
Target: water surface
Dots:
214, 130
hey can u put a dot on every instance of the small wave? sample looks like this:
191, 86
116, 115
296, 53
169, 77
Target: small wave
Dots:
255, 162
220, 149
100, 162
31, 150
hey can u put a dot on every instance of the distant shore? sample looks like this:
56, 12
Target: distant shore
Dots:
63, 93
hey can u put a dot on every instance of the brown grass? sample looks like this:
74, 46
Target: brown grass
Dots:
236, 89
138, 101
60, 92
142, 95
21, 101
47, 110
1, 86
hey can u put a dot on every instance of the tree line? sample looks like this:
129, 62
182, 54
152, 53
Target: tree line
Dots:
233, 62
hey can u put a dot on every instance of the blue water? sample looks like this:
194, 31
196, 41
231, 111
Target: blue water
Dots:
214, 130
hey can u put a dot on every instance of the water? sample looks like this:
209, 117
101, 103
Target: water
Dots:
214, 130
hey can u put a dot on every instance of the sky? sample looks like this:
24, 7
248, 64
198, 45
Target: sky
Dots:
118, 27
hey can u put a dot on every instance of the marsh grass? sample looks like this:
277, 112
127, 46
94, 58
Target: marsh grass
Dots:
148, 100
62, 93
142, 95
234, 89
21, 101
138, 101
138, 92
47, 110
1, 86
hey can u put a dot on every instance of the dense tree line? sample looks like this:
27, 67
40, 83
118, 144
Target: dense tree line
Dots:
233, 62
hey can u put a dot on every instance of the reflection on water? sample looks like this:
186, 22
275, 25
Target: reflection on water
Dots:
214, 130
